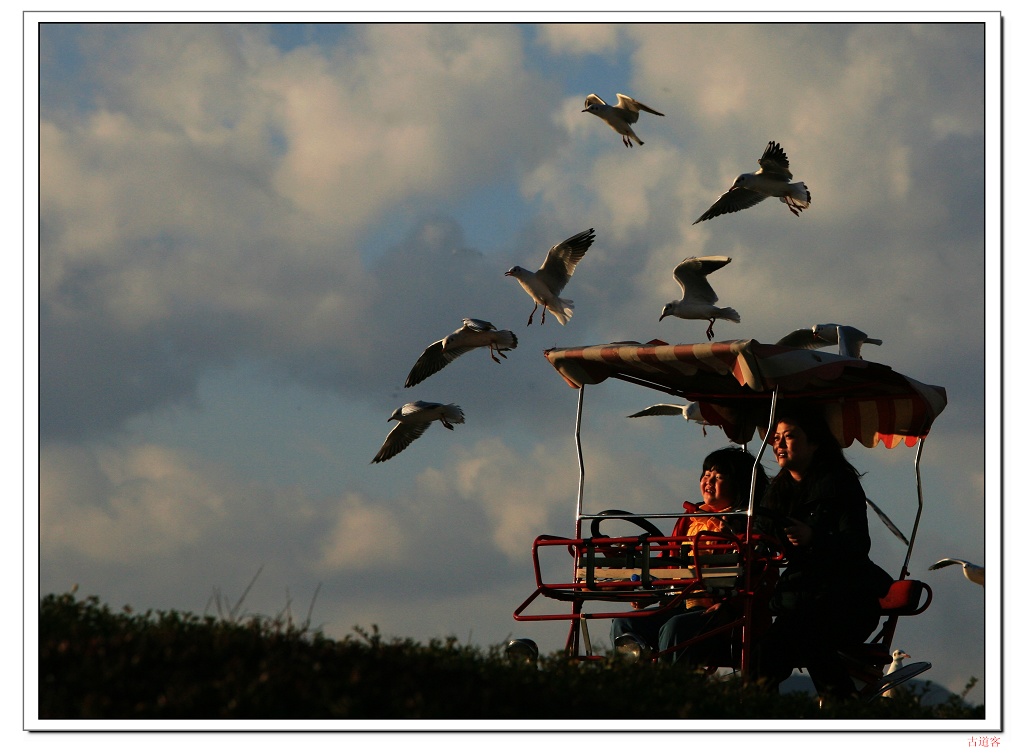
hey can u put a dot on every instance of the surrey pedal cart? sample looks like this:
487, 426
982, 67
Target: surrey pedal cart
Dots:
734, 386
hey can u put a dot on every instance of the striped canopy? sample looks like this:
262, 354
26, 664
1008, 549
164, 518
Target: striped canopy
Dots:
733, 381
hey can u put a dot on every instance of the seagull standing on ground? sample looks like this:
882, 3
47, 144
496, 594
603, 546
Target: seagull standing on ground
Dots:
546, 283
897, 663
414, 419
771, 179
973, 573
474, 333
619, 116
849, 339
699, 299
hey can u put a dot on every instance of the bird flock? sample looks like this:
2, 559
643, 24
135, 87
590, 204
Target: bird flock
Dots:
697, 301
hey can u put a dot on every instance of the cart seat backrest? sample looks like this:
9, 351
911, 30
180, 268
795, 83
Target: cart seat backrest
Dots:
904, 598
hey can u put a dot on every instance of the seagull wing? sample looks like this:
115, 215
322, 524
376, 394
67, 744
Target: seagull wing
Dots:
732, 200
660, 409
399, 438
562, 259
593, 99
888, 523
775, 162
946, 563
431, 361
478, 324
802, 338
631, 108
440, 354
692, 276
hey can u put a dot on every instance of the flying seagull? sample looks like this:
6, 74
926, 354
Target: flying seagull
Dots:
546, 283
887, 521
620, 116
897, 664
474, 333
414, 419
689, 411
849, 339
973, 573
699, 299
771, 179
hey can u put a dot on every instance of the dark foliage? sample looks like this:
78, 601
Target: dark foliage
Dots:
97, 664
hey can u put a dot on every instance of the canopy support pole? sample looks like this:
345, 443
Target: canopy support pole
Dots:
920, 508
579, 454
746, 636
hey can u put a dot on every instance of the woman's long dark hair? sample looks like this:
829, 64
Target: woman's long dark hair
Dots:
736, 464
827, 457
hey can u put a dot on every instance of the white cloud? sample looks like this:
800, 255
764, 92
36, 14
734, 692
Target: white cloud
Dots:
219, 200
142, 501
364, 537
579, 39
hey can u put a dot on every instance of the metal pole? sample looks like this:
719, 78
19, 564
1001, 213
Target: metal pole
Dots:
920, 508
579, 454
747, 637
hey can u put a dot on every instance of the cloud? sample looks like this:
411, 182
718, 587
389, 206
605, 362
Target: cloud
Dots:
133, 504
208, 208
213, 207
579, 39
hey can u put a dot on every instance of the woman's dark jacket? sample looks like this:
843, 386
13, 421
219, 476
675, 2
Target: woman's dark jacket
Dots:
832, 578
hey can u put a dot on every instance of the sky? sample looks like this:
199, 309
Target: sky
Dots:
247, 234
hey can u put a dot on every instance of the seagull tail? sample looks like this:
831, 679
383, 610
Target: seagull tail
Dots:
729, 314
562, 310
506, 339
798, 195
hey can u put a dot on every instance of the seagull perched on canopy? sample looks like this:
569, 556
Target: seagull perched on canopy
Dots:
619, 116
546, 283
973, 573
849, 339
897, 663
771, 179
699, 299
414, 419
474, 333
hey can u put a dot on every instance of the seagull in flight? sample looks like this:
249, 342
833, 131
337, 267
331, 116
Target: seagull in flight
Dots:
771, 179
973, 573
699, 299
689, 411
849, 339
620, 116
474, 333
414, 419
546, 283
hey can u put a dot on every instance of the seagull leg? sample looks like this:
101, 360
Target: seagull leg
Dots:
492, 349
711, 323
530, 320
792, 206
445, 424
543, 312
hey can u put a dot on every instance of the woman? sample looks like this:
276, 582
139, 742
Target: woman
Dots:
824, 601
724, 487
